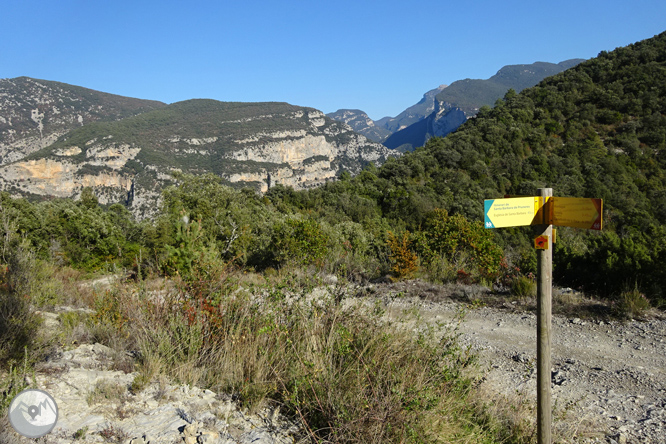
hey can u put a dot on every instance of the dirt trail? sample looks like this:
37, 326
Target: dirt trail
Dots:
609, 376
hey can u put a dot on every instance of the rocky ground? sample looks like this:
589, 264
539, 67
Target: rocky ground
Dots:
608, 378
95, 405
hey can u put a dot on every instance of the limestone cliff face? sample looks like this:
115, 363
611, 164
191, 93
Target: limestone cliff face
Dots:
49, 177
380, 130
132, 160
361, 123
445, 119
35, 113
307, 159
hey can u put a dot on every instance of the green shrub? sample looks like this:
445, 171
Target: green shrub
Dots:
523, 287
13, 383
193, 250
81, 433
351, 256
439, 270
299, 241
631, 304
75, 327
18, 322
462, 242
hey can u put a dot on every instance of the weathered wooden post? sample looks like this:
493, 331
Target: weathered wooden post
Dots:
543, 242
542, 212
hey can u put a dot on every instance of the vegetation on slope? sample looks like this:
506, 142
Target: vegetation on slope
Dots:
597, 130
340, 369
62, 104
472, 94
463, 99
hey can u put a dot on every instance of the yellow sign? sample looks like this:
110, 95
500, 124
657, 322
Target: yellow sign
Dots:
512, 212
576, 212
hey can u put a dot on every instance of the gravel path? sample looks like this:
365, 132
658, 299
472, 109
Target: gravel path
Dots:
609, 376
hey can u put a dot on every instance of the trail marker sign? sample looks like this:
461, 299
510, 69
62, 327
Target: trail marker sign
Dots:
534, 210
511, 212
576, 212
541, 242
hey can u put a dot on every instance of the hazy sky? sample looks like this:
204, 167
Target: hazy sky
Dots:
378, 56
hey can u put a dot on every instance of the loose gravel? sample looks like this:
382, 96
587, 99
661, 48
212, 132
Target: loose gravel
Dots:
608, 376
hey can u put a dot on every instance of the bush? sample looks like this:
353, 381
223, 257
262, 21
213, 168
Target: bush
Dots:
439, 270
13, 383
193, 250
355, 379
300, 241
351, 255
465, 244
523, 287
344, 372
404, 262
631, 304
18, 323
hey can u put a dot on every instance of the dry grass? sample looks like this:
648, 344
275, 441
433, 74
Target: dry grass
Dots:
106, 390
346, 376
577, 304
265, 339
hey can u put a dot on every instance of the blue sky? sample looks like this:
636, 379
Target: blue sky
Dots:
378, 56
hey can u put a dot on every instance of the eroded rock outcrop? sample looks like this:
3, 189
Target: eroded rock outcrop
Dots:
132, 159
35, 113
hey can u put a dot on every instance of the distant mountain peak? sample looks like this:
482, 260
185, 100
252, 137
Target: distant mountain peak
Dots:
466, 97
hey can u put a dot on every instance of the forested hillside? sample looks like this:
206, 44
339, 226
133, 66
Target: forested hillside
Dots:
463, 99
130, 160
597, 130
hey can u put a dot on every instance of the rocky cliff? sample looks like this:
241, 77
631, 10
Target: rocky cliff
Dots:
381, 129
445, 119
414, 113
34, 113
361, 123
249, 144
443, 109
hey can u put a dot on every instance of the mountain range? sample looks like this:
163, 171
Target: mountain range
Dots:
381, 129
443, 109
596, 130
56, 139
35, 113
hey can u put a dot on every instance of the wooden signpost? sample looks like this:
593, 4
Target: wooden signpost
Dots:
542, 212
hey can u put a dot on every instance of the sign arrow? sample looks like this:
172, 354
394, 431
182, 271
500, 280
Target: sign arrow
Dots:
512, 212
576, 212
